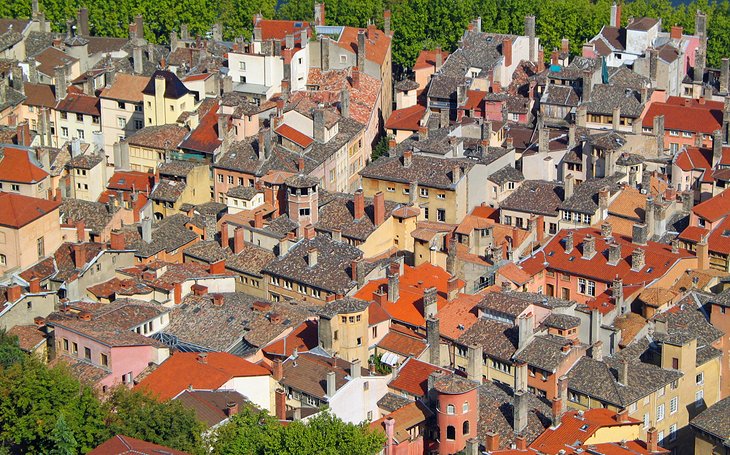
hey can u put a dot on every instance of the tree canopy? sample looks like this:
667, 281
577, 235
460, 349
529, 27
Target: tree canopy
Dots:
257, 433
417, 24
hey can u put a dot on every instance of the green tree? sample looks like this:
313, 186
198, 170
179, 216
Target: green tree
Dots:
140, 416
255, 432
10, 352
33, 396
63, 437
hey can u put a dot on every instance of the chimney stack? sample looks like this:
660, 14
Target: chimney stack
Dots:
359, 205
507, 51
569, 242
615, 15
379, 208
433, 338
589, 246
361, 43
331, 388
638, 259
393, 283
614, 253
639, 234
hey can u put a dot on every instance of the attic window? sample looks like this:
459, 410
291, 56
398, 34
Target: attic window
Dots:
726, 233
584, 427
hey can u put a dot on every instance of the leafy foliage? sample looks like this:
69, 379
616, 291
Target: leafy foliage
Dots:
257, 433
417, 24
140, 416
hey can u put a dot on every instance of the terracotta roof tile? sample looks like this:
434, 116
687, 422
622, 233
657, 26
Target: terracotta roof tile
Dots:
400, 342
79, 104
376, 47
407, 119
294, 135
684, 114
124, 445
17, 166
189, 369
126, 87
17, 210
413, 377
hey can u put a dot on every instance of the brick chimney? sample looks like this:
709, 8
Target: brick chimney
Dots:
277, 369
652, 440
116, 241
280, 404
232, 409
638, 259
218, 299
34, 286
507, 51
218, 267
312, 257
491, 441
13, 293
309, 232
81, 231
557, 411
238, 242
569, 242
224, 235
359, 204
379, 208
258, 219
79, 255
407, 158
676, 32
199, 289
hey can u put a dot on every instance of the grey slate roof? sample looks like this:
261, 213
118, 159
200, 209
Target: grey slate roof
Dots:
177, 168
167, 190
545, 352
506, 174
337, 211
427, 171
715, 420
585, 195
332, 271
343, 306
208, 251
599, 380
95, 215
391, 402
536, 196
168, 235
561, 321
243, 192
605, 97
496, 414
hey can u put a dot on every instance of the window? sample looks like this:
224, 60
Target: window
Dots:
660, 412
127, 378
335, 336
65, 344
515, 117
461, 351
80, 134
699, 397
508, 220
359, 341
242, 66
450, 432
343, 319
574, 397
74, 348
343, 58
304, 212
673, 133
632, 407
121, 122
121, 105
450, 410
424, 192
465, 428
172, 108
675, 363
79, 117
441, 215
64, 115
40, 247
673, 405
646, 420
64, 131
220, 178
686, 134
673, 432
230, 180
425, 212
87, 353
660, 437
441, 196
366, 385
661, 392
586, 287
104, 360
138, 124
391, 189
700, 378
14, 187
95, 119
465, 407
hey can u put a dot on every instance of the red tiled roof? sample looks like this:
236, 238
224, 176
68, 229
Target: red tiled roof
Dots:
515, 274
130, 181
376, 314
184, 369
705, 118
694, 158
574, 429
403, 342
718, 240
79, 104
295, 136
714, 208
275, 29
16, 166
458, 315
412, 284
473, 99
658, 257
39, 95
197, 77
124, 445
204, 138
376, 46
407, 119
302, 338
427, 59
17, 210
126, 87
413, 377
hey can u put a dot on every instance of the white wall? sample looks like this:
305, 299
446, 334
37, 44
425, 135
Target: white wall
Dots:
351, 403
256, 388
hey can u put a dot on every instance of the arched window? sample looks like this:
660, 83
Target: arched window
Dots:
465, 407
450, 409
450, 433
465, 428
